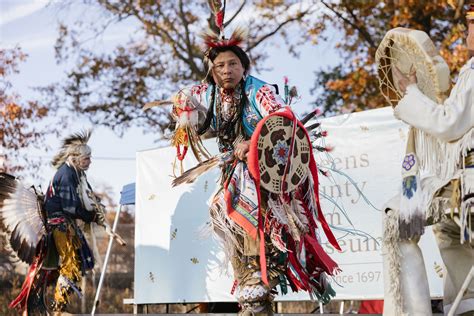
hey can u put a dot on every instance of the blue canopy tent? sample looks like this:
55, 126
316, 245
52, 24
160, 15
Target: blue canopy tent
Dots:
127, 197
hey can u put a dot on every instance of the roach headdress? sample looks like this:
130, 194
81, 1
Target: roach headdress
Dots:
214, 37
74, 145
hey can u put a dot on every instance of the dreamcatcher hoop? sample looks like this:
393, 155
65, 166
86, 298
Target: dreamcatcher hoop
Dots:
404, 48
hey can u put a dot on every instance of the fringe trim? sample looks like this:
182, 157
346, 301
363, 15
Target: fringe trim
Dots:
64, 288
391, 245
310, 201
278, 211
225, 231
328, 293
292, 223
310, 198
465, 221
467, 205
299, 213
435, 212
440, 158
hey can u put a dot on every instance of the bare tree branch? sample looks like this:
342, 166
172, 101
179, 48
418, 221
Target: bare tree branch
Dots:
362, 31
188, 42
278, 28
236, 13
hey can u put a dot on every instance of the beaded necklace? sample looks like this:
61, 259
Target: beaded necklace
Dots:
227, 114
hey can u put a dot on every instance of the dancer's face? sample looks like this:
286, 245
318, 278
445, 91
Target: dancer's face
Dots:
84, 162
227, 70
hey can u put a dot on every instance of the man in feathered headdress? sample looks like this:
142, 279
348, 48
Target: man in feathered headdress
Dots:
235, 103
68, 201
448, 131
269, 241
48, 235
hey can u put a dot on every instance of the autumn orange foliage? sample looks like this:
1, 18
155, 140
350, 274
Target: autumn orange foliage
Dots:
18, 118
353, 85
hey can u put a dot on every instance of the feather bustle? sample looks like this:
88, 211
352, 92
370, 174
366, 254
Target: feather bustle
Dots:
21, 217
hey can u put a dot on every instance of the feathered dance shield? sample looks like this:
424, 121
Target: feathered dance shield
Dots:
281, 162
283, 150
22, 216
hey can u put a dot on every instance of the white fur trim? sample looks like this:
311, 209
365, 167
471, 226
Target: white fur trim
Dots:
392, 252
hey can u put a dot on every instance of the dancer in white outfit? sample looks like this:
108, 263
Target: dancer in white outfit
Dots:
445, 141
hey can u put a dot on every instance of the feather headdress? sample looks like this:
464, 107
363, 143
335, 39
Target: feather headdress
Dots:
73, 145
218, 10
213, 39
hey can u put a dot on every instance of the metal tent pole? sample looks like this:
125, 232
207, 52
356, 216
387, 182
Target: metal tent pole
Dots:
463, 289
106, 260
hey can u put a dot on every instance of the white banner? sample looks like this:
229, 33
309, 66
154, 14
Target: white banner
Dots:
174, 264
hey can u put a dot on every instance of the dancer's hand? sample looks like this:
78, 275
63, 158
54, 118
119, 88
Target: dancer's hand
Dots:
99, 218
404, 80
241, 150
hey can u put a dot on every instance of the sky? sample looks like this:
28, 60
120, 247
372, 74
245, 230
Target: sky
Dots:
32, 25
